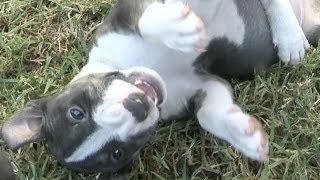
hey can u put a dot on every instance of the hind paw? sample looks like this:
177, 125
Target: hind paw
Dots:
291, 44
247, 134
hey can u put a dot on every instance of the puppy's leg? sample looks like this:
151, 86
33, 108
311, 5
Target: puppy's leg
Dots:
286, 31
218, 114
174, 24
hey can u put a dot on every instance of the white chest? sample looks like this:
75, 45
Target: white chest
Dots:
175, 68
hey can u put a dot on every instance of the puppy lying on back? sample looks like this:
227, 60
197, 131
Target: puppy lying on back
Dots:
149, 55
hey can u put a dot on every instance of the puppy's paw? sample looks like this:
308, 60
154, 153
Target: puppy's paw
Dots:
247, 134
291, 42
175, 25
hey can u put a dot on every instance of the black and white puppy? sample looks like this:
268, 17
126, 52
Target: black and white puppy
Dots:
155, 53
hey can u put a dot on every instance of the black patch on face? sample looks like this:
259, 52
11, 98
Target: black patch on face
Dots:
107, 160
63, 132
227, 60
138, 105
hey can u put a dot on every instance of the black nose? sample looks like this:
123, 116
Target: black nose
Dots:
137, 104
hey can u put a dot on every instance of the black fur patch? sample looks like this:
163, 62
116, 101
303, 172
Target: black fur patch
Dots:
102, 161
227, 60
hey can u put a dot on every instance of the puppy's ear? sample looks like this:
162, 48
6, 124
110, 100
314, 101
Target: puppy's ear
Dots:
25, 126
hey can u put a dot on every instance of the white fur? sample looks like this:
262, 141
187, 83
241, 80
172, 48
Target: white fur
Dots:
174, 67
90, 146
187, 33
231, 25
287, 34
217, 117
179, 28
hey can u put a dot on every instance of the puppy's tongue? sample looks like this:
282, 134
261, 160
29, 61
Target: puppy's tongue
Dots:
147, 89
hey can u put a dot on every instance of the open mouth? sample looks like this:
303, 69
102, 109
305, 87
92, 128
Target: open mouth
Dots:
149, 85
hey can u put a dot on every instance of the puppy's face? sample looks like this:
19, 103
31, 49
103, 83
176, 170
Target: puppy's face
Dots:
98, 123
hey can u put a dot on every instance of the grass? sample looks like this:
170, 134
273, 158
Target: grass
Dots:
43, 45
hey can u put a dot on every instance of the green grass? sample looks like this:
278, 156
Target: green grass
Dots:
43, 45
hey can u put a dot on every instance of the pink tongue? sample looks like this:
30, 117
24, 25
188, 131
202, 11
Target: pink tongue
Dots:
147, 89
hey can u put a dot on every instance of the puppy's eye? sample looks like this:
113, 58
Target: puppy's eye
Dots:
77, 113
117, 155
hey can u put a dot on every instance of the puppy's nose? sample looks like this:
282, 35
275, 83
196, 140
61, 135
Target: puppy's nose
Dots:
137, 104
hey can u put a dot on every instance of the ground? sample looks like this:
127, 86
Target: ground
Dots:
43, 44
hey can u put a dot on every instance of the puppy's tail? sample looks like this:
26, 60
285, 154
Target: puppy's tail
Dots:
314, 36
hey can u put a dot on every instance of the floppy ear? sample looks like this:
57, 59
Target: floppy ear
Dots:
25, 126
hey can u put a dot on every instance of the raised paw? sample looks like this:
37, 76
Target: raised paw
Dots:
288, 36
291, 44
175, 25
246, 134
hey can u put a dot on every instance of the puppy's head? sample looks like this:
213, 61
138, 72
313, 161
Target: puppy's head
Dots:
98, 123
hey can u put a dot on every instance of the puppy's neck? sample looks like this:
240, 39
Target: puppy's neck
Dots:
93, 67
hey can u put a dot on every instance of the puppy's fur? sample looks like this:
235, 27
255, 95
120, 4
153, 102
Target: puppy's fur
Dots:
149, 54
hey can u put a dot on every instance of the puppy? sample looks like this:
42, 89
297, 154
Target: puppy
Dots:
152, 59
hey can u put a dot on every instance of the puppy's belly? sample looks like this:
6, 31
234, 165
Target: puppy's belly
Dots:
240, 43
175, 68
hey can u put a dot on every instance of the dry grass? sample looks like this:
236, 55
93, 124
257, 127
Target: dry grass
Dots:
43, 44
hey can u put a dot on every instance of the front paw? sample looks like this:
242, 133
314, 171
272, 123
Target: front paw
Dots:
291, 43
175, 25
